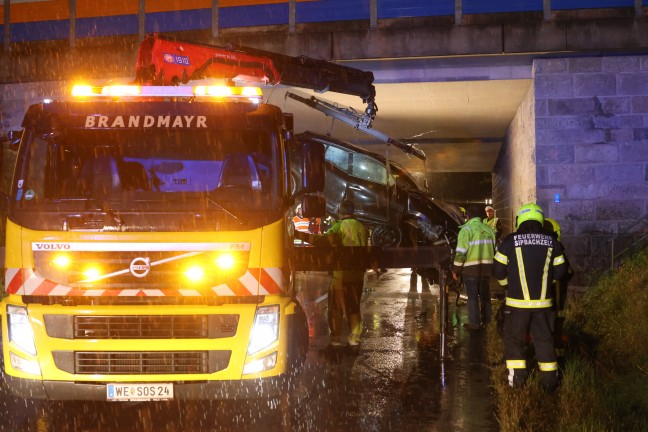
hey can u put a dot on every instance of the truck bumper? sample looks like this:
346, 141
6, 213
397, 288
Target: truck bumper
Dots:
213, 390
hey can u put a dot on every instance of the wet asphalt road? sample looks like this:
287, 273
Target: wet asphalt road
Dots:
395, 380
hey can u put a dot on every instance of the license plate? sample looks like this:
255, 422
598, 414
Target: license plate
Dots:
139, 392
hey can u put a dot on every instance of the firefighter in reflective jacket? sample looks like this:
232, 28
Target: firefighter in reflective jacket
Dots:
493, 221
526, 263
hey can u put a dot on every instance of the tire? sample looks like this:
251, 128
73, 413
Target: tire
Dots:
386, 235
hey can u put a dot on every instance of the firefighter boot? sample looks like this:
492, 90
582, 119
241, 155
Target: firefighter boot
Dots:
517, 373
549, 381
355, 324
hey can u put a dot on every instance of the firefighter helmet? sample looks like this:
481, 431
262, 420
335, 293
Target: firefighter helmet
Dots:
529, 211
552, 226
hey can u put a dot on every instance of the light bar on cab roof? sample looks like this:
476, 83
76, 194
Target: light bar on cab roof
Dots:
218, 91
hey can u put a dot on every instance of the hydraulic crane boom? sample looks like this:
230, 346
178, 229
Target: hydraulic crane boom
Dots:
355, 120
165, 61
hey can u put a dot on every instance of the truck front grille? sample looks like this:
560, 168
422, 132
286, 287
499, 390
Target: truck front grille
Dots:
141, 326
144, 363
173, 362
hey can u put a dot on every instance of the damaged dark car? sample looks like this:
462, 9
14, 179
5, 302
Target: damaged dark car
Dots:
397, 211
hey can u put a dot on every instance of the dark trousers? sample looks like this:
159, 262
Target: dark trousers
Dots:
479, 302
344, 300
425, 276
518, 323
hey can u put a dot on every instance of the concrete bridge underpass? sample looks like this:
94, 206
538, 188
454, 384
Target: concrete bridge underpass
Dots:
513, 107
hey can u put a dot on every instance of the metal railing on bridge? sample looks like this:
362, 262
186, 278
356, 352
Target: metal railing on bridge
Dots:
35, 20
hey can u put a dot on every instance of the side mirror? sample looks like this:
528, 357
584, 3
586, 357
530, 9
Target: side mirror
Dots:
313, 167
307, 167
313, 206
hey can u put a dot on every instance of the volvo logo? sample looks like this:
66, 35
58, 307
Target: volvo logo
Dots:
140, 267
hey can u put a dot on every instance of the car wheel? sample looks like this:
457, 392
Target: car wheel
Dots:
386, 235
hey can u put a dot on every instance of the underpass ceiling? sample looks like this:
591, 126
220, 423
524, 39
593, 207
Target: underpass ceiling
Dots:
460, 125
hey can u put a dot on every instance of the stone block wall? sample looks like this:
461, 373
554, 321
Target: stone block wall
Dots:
514, 176
591, 142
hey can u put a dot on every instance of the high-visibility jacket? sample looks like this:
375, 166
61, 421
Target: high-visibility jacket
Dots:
301, 224
345, 232
475, 249
495, 225
349, 232
526, 263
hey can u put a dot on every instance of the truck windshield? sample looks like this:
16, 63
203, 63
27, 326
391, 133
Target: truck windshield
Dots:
160, 179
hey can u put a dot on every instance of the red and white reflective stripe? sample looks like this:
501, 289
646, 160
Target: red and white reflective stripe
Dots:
14, 278
269, 280
255, 281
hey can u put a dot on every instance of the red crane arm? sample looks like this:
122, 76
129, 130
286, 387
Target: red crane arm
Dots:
165, 61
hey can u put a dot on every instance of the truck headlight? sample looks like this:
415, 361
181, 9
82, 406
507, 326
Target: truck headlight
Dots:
20, 331
21, 364
264, 363
266, 328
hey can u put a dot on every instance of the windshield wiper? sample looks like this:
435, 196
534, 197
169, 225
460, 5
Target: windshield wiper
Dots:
101, 204
226, 211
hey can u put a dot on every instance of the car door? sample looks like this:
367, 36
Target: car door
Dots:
358, 177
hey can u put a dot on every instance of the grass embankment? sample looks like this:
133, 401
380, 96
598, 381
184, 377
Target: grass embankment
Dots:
604, 378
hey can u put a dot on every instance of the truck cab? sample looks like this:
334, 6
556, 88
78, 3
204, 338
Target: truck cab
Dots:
148, 246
